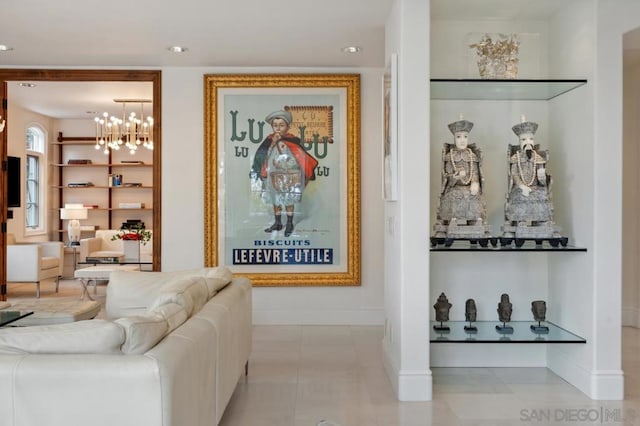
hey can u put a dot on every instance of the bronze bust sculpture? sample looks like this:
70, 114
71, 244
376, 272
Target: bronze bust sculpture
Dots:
442, 308
539, 310
505, 308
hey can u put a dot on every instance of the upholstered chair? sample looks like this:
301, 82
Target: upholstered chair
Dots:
34, 262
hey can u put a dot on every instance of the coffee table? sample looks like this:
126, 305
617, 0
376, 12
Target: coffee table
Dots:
7, 317
97, 273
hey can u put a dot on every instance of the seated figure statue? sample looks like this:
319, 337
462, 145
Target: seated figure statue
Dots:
528, 209
461, 212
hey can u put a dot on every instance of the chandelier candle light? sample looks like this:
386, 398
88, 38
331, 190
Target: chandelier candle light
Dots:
131, 131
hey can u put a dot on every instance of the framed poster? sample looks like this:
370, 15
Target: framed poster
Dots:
282, 177
390, 130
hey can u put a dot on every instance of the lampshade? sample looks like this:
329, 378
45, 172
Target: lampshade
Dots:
66, 213
73, 215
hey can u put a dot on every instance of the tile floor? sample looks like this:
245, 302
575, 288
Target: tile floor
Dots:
333, 375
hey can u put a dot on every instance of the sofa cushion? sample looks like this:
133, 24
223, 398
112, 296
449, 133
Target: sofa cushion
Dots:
174, 314
189, 292
131, 293
49, 262
142, 332
82, 337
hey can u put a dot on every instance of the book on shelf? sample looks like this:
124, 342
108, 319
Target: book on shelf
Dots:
78, 161
131, 205
90, 206
132, 162
104, 259
79, 184
132, 184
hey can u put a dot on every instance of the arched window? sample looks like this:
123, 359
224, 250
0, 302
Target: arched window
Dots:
34, 194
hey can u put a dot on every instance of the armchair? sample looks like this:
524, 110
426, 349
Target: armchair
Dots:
34, 262
103, 246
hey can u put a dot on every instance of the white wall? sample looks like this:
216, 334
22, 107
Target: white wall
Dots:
406, 345
183, 203
21, 119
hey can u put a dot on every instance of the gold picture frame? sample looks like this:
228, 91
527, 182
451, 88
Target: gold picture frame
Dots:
293, 227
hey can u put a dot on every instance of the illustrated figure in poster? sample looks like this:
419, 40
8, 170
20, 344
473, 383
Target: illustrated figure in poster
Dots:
462, 211
529, 210
284, 168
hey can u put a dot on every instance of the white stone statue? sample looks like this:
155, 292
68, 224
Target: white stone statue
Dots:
528, 209
461, 211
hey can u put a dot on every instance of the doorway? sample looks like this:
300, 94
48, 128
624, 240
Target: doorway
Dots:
97, 76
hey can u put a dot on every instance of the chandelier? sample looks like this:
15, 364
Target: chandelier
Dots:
131, 131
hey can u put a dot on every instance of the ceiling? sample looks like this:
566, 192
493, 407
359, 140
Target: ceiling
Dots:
217, 33
124, 33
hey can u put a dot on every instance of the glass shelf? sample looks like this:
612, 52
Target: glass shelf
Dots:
487, 333
475, 89
528, 246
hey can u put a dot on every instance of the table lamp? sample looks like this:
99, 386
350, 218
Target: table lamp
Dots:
73, 214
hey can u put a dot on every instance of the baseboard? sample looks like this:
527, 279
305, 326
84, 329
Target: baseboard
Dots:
631, 317
318, 317
597, 384
408, 385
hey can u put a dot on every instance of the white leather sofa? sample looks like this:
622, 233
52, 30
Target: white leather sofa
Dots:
170, 354
103, 246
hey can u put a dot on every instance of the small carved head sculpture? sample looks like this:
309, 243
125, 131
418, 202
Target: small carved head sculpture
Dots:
470, 311
505, 308
539, 309
442, 308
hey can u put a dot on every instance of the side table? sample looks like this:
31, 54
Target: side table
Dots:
98, 273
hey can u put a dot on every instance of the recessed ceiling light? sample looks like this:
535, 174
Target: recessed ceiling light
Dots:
5, 48
27, 85
177, 49
352, 49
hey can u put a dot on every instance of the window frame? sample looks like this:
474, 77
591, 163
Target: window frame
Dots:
38, 151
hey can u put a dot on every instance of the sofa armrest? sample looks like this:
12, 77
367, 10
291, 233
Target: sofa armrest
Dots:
89, 245
23, 262
52, 249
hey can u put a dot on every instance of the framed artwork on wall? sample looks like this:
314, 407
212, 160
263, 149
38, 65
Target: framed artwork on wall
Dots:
390, 130
282, 177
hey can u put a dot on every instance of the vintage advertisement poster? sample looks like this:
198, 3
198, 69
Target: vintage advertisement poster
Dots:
285, 179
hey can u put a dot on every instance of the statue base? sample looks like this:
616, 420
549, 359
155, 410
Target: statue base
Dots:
532, 231
470, 329
539, 329
504, 329
442, 328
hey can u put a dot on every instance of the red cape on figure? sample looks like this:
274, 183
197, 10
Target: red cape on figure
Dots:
304, 159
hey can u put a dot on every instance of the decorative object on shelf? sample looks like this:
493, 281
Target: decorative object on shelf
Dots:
135, 232
470, 314
528, 209
462, 212
78, 161
113, 132
505, 308
497, 56
539, 310
73, 213
115, 180
442, 308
